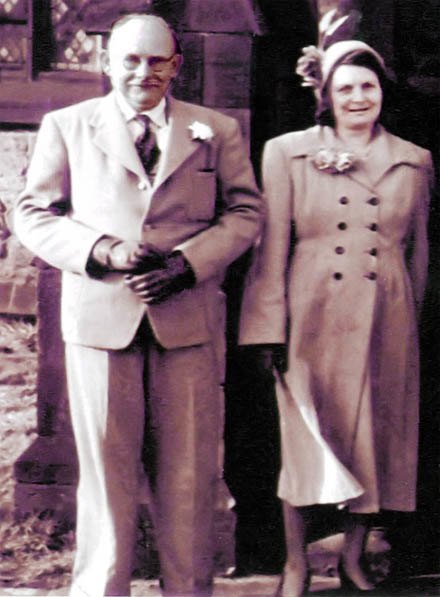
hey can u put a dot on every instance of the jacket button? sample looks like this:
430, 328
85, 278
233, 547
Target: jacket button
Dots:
343, 200
338, 276
342, 226
340, 250
373, 227
142, 186
373, 252
371, 275
373, 201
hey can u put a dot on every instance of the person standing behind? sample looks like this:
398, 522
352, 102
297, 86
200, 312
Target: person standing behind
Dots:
143, 239
352, 200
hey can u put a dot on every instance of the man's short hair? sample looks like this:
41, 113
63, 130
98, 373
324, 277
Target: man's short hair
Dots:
122, 20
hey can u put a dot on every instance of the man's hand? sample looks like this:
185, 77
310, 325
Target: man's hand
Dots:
113, 254
155, 286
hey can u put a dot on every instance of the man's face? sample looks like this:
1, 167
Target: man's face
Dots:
141, 62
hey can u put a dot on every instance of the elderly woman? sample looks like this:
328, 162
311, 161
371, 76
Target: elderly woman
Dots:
338, 280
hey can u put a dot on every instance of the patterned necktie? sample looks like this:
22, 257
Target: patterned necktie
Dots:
146, 146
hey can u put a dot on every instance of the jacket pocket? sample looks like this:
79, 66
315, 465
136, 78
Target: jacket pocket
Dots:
201, 204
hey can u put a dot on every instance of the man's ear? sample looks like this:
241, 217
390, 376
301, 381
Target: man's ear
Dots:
178, 61
105, 62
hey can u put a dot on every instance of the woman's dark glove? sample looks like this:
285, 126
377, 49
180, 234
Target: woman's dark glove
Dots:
153, 287
267, 357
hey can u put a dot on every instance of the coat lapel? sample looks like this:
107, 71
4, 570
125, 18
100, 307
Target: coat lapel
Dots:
111, 135
180, 145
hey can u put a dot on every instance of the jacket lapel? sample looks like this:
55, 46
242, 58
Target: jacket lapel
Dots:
111, 135
180, 145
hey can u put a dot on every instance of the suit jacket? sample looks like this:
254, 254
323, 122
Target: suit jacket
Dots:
86, 179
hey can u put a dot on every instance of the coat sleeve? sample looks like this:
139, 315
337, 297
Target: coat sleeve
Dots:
417, 256
233, 232
264, 312
41, 215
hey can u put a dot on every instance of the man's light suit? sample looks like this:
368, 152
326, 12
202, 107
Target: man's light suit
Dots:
85, 181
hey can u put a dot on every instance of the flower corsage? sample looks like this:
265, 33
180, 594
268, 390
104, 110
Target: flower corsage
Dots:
334, 161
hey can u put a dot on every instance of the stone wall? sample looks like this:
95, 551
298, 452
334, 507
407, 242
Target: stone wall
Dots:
17, 275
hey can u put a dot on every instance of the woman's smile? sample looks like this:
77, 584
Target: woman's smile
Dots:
356, 96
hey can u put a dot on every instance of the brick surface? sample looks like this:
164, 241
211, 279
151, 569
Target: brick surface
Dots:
227, 71
233, 16
189, 84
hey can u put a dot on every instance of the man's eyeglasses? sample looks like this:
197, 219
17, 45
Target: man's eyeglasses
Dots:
156, 63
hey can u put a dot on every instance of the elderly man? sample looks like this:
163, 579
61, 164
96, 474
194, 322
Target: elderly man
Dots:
142, 201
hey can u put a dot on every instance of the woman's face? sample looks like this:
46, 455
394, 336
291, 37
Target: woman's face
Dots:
355, 96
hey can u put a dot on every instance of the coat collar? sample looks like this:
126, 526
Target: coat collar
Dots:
391, 149
112, 136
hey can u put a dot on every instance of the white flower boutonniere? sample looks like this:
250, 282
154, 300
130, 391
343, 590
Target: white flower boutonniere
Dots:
201, 132
333, 161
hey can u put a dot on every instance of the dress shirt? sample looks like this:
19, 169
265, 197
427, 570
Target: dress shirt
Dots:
157, 115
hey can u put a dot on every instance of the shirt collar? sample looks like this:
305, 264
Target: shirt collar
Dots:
158, 114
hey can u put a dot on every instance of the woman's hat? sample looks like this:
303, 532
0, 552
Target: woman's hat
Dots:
336, 52
317, 63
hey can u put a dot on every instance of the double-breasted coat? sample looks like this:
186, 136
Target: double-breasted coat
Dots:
345, 297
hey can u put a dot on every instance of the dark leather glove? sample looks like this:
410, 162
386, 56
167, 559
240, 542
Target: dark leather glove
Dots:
114, 254
155, 286
267, 357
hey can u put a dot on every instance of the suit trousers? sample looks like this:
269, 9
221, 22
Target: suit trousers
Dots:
171, 400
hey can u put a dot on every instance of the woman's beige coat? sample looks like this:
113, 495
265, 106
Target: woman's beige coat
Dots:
346, 302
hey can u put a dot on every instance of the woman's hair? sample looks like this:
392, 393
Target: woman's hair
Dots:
324, 112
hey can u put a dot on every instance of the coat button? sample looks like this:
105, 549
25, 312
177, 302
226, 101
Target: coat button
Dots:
342, 226
373, 227
338, 276
340, 250
371, 275
343, 200
373, 201
373, 252
142, 186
